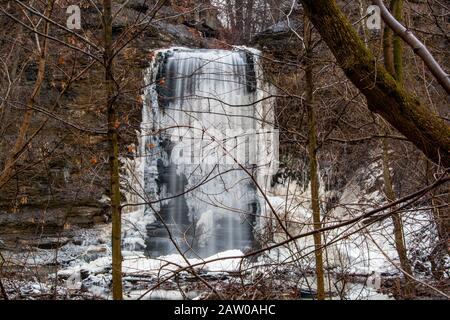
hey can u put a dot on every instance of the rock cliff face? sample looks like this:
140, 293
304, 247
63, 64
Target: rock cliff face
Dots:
62, 179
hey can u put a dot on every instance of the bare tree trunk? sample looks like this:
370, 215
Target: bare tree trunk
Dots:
113, 153
388, 52
312, 151
441, 217
239, 14
384, 96
231, 15
248, 30
393, 50
400, 245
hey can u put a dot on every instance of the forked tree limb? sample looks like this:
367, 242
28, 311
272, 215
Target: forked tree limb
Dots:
418, 47
384, 95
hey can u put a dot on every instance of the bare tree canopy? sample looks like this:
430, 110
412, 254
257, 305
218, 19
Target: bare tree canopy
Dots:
384, 96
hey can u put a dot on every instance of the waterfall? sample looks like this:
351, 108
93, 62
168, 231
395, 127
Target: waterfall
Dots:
207, 140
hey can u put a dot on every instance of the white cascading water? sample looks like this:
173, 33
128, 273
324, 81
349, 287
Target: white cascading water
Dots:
207, 126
